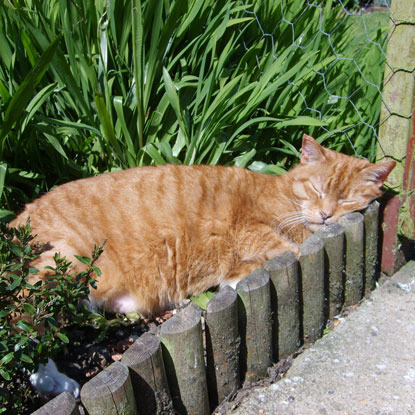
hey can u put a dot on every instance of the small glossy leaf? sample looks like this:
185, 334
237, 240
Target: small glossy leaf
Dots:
22, 325
26, 358
97, 271
63, 337
84, 259
8, 358
15, 284
5, 374
29, 308
21, 343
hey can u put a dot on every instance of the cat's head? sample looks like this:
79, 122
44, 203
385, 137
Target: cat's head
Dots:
326, 184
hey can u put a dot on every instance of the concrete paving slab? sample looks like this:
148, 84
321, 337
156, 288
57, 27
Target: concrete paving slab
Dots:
365, 366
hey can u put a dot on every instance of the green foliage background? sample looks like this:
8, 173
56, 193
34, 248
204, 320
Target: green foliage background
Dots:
92, 86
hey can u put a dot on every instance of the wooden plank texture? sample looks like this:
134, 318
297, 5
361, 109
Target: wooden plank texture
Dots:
63, 404
183, 357
255, 325
110, 392
355, 257
285, 303
222, 345
313, 300
145, 362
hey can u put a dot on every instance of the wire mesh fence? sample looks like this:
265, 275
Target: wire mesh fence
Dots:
350, 42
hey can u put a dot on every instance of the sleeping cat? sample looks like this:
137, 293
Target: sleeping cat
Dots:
173, 231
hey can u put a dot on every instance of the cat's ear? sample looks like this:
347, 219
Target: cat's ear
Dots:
377, 173
311, 151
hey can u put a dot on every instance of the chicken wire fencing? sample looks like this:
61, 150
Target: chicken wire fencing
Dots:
344, 46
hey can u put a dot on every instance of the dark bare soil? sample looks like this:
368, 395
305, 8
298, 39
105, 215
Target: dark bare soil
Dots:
85, 355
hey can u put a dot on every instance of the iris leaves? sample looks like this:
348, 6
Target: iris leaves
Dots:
92, 87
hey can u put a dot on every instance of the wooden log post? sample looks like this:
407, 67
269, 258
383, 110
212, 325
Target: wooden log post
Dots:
63, 404
145, 362
285, 304
110, 392
255, 325
396, 139
222, 345
354, 242
333, 239
371, 222
312, 298
183, 356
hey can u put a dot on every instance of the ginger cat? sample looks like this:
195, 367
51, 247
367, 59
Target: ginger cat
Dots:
173, 231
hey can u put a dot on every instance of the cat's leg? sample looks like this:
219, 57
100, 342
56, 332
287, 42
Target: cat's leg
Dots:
261, 243
256, 245
240, 271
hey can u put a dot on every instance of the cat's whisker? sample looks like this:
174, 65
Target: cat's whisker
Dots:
288, 222
288, 217
296, 224
291, 221
298, 212
296, 215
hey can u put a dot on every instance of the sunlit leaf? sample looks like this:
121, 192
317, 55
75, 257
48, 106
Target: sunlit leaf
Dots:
203, 299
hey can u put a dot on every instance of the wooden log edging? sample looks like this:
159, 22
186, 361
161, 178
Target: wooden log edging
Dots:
273, 311
312, 292
371, 230
222, 345
110, 392
183, 357
148, 376
285, 302
333, 240
255, 325
64, 404
354, 250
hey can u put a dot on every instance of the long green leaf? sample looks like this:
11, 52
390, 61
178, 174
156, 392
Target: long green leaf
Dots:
25, 91
107, 127
3, 171
175, 103
138, 66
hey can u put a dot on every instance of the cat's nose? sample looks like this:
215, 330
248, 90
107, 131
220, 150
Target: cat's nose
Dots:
325, 215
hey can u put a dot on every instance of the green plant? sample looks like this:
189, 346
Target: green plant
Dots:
111, 85
202, 300
35, 317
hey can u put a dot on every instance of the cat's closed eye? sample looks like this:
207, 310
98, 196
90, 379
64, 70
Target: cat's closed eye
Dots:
317, 190
346, 202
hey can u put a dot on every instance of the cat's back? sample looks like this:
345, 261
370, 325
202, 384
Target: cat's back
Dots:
141, 198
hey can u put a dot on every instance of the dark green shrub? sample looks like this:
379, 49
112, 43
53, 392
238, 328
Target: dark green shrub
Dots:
34, 318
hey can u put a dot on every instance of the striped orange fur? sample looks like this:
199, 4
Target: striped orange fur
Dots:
173, 231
